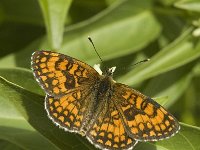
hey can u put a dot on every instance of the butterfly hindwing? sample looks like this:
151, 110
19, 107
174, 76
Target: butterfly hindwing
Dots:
108, 131
145, 119
70, 111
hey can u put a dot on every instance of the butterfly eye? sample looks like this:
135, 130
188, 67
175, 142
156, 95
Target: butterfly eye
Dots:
112, 69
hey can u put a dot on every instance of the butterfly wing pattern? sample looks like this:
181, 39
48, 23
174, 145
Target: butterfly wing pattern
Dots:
108, 130
145, 119
62, 78
111, 115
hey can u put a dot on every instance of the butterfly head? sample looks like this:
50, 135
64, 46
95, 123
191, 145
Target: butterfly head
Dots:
107, 72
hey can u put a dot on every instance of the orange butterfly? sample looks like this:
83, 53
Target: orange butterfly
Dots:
111, 115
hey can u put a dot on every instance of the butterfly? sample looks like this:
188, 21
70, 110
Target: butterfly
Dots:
85, 100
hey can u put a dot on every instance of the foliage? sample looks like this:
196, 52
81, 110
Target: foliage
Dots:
124, 32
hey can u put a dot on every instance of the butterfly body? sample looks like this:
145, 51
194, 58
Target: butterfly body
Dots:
111, 115
102, 93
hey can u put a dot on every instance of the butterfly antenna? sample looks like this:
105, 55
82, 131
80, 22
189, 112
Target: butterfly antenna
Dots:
124, 68
89, 38
145, 60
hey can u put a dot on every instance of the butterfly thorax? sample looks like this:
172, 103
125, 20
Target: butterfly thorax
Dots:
104, 84
109, 71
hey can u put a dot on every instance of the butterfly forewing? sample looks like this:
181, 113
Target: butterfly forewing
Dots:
59, 74
145, 119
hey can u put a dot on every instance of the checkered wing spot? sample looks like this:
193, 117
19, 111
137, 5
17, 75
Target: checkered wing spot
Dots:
144, 119
59, 74
108, 130
68, 85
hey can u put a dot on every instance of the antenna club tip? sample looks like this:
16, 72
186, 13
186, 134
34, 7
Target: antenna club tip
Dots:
89, 37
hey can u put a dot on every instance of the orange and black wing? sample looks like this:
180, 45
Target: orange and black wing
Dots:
68, 84
70, 111
144, 119
108, 131
59, 74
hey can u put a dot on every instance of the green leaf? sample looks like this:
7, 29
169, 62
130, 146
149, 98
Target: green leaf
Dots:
197, 70
170, 84
19, 34
109, 26
82, 10
18, 76
21, 24
19, 132
113, 25
178, 53
15, 59
15, 129
54, 13
22, 11
5, 145
161, 100
189, 5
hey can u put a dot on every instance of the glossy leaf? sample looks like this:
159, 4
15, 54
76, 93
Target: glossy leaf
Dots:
105, 28
178, 53
192, 5
54, 13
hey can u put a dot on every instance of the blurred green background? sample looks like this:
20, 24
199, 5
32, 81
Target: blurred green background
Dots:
124, 32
